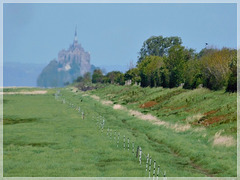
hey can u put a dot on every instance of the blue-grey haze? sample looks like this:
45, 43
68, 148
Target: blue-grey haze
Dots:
112, 33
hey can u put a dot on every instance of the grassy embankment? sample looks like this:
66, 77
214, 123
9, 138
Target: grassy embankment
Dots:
202, 124
43, 137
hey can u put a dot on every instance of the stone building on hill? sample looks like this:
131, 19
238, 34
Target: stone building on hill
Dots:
70, 64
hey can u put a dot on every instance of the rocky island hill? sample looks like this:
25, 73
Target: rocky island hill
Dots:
71, 64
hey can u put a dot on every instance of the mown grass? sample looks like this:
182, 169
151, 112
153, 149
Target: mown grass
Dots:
59, 143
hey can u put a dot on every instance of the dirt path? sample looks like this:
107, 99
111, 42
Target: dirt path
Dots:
25, 92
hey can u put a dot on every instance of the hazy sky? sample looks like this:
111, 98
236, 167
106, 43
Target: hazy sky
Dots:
112, 33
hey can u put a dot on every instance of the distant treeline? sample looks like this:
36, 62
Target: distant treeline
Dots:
163, 61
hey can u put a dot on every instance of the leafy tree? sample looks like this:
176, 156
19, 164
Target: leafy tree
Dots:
115, 77
215, 67
175, 63
105, 80
150, 72
79, 79
120, 79
133, 74
192, 74
97, 76
232, 80
158, 46
165, 77
206, 51
87, 77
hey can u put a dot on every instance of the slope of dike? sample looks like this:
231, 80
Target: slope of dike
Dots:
200, 125
199, 108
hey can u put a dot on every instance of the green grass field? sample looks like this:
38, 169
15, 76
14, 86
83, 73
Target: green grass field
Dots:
45, 137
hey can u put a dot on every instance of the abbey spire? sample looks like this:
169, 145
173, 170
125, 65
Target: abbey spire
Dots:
75, 42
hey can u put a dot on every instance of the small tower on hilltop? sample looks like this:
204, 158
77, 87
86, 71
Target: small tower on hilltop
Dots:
75, 42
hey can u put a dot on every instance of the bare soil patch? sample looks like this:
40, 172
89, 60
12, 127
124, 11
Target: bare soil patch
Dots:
148, 104
194, 119
210, 112
181, 128
142, 116
95, 97
199, 129
177, 108
118, 106
161, 123
212, 120
107, 102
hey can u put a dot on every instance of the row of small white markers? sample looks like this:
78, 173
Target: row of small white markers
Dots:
57, 97
101, 124
139, 151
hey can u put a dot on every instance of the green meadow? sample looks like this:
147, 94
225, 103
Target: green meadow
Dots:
45, 137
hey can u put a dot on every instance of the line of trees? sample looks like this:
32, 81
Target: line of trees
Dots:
114, 77
165, 62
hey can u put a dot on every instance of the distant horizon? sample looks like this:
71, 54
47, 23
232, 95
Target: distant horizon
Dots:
24, 74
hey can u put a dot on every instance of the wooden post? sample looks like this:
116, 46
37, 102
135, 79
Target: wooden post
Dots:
158, 171
150, 162
140, 156
128, 144
147, 163
124, 142
154, 166
133, 147
137, 152
82, 115
118, 139
99, 126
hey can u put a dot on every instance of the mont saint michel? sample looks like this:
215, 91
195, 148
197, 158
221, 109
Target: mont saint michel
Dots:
71, 63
